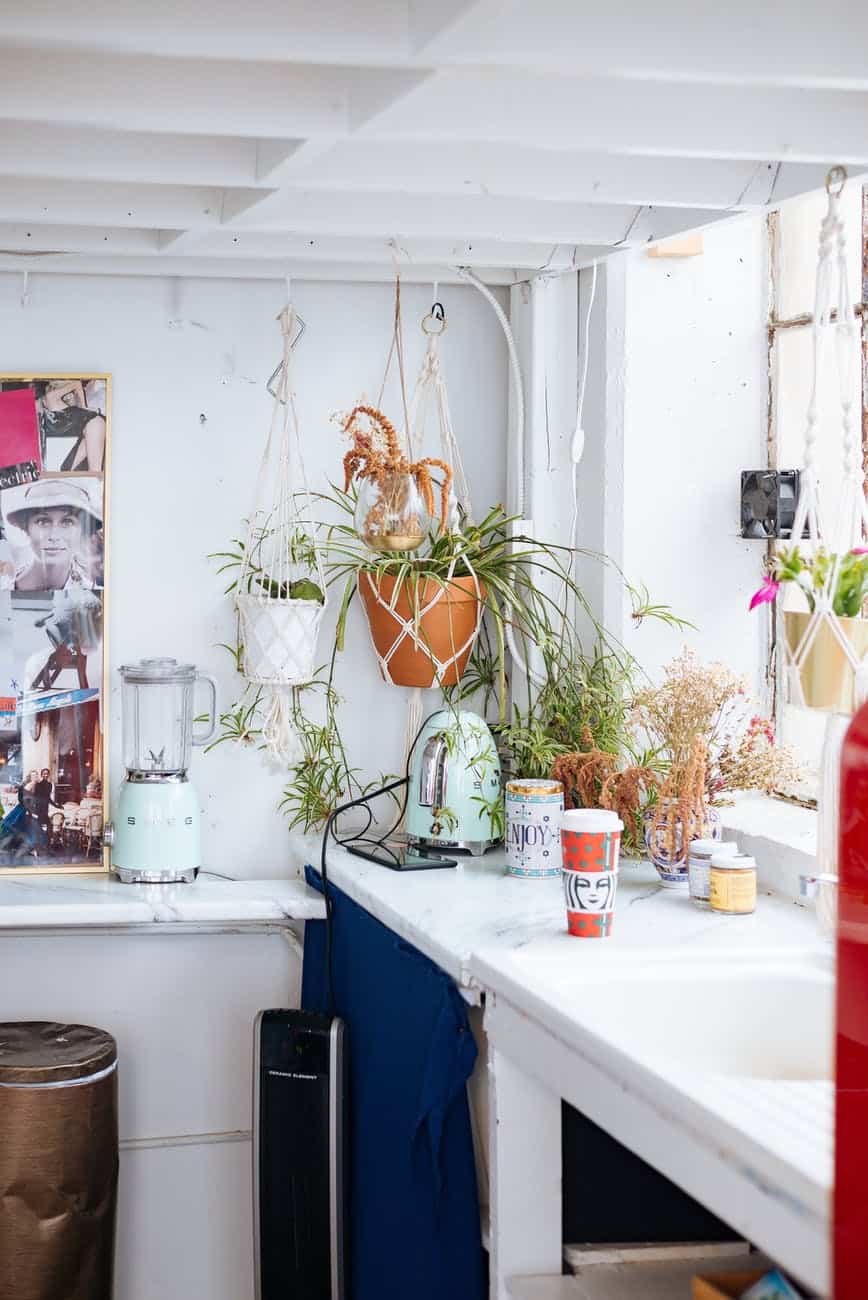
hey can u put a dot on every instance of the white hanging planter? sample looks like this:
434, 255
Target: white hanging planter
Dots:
278, 631
278, 639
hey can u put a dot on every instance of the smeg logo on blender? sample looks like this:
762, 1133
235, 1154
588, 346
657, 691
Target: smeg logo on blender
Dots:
153, 818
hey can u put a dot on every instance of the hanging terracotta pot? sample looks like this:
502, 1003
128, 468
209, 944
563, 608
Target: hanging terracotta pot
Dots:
827, 679
423, 635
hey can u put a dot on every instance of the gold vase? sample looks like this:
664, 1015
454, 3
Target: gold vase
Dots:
827, 678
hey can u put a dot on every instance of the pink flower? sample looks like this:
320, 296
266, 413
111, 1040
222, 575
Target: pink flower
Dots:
859, 550
766, 594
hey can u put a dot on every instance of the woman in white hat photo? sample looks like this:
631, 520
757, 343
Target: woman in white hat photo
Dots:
62, 524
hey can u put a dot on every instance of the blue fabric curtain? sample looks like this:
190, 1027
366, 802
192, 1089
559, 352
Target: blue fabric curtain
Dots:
413, 1215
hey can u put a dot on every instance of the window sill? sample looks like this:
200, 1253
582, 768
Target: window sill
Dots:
780, 835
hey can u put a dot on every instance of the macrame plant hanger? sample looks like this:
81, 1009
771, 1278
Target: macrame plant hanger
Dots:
430, 381
282, 576
833, 321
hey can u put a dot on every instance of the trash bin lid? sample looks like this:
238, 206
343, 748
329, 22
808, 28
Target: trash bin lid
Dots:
43, 1051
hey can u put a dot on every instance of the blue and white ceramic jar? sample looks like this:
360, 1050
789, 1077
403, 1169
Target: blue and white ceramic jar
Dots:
534, 809
672, 866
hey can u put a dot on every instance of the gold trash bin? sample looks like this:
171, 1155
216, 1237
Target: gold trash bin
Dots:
58, 1161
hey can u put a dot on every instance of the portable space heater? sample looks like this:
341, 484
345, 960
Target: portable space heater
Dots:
299, 1100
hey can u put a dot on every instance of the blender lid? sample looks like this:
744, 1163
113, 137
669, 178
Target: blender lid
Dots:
158, 671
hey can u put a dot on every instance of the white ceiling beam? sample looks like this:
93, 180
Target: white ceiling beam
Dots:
471, 167
279, 160
259, 245
227, 269
92, 153
329, 31
464, 217
102, 203
196, 96
615, 115
743, 41
430, 23
32, 240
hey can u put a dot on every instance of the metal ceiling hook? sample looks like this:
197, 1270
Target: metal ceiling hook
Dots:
435, 321
836, 180
274, 377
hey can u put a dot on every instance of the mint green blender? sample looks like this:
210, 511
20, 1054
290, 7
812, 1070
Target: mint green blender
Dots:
155, 837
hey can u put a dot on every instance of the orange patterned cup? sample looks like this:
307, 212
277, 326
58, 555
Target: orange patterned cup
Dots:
590, 846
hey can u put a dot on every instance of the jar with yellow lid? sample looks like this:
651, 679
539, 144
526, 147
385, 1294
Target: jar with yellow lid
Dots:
733, 884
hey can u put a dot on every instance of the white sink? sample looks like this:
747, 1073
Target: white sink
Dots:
748, 1020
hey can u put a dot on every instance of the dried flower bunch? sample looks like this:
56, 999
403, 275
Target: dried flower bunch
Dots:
703, 725
693, 700
752, 761
591, 779
681, 812
376, 456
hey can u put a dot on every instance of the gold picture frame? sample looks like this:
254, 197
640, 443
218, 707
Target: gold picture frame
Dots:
55, 472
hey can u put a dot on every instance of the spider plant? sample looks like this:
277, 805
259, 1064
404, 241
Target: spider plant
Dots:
508, 567
524, 586
246, 567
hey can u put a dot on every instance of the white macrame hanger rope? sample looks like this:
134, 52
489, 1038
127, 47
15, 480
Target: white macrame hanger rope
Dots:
272, 540
431, 379
833, 314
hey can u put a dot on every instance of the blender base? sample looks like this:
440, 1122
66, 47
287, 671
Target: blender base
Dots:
165, 876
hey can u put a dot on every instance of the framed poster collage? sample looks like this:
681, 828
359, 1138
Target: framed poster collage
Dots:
54, 463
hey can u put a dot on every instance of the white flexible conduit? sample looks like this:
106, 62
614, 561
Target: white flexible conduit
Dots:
518, 384
538, 679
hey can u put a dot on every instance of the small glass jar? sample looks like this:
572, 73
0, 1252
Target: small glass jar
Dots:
733, 884
699, 867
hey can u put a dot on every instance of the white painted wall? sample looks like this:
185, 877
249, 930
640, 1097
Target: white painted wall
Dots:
694, 417
180, 485
182, 1008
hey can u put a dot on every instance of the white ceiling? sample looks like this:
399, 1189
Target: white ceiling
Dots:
320, 136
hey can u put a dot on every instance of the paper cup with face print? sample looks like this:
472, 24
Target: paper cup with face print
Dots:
590, 846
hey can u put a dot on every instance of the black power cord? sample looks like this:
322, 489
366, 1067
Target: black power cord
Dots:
363, 801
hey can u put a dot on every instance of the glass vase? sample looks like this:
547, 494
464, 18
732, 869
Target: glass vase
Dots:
391, 514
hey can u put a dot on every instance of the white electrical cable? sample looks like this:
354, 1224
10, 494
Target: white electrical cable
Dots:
578, 444
518, 385
538, 679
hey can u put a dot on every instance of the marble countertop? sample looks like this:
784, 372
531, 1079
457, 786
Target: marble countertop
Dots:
453, 916
61, 901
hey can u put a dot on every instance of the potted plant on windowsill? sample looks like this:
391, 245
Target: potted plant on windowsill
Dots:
826, 677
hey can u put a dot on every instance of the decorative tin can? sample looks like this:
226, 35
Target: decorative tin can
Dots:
533, 828
591, 844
